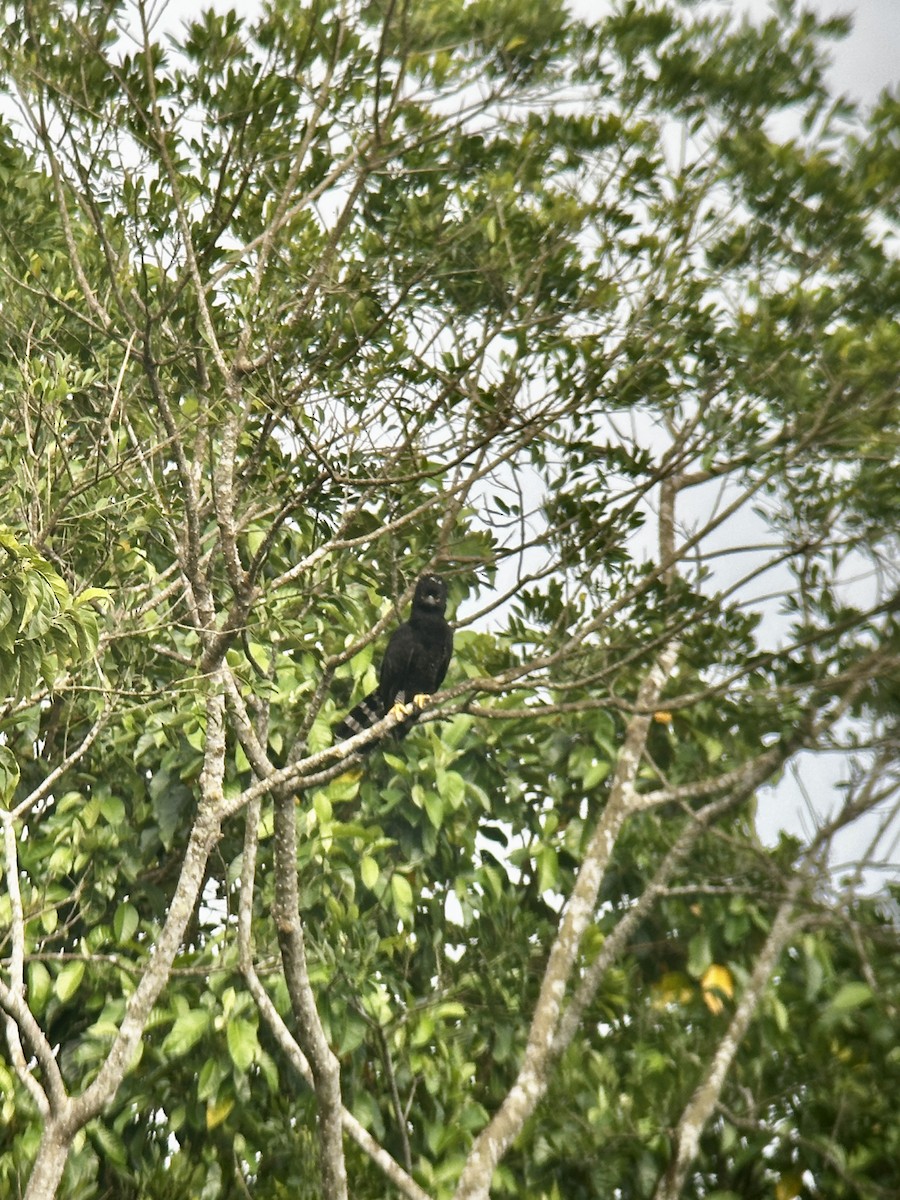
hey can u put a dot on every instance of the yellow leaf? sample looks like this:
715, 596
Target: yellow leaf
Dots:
216, 1113
672, 988
716, 979
788, 1187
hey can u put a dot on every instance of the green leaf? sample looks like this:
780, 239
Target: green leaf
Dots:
91, 594
6, 613
423, 1030
111, 1145
449, 1010
210, 1079
171, 800
125, 923
113, 810
243, 1044
402, 897
699, 955
9, 775
69, 980
850, 996
595, 775
40, 985
323, 809
434, 807
451, 786
352, 1035
369, 871
548, 869
712, 748
187, 1030
780, 1013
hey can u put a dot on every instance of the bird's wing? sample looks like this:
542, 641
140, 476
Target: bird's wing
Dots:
393, 677
443, 659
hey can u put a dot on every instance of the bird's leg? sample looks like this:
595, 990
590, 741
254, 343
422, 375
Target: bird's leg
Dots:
419, 701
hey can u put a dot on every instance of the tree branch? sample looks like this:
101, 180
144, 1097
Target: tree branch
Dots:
702, 1104
531, 1082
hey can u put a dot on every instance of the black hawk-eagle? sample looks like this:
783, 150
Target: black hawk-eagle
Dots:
414, 664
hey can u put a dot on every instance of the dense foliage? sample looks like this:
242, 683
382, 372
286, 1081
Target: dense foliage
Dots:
600, 323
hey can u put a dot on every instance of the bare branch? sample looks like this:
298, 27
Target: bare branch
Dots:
324, 1063
531, 1082
706, 1096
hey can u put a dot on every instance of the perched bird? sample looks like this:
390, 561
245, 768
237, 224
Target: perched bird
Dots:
414, 664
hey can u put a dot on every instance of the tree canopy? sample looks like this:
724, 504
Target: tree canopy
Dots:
599, 322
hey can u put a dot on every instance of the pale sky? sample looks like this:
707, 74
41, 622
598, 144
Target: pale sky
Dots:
864, 62
869, 59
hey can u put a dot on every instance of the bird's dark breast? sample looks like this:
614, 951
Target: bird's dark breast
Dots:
423, 674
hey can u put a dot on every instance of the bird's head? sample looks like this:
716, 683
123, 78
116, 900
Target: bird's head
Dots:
430, 594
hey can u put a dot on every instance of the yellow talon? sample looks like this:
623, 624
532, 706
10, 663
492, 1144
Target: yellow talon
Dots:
421, 701
401, 710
